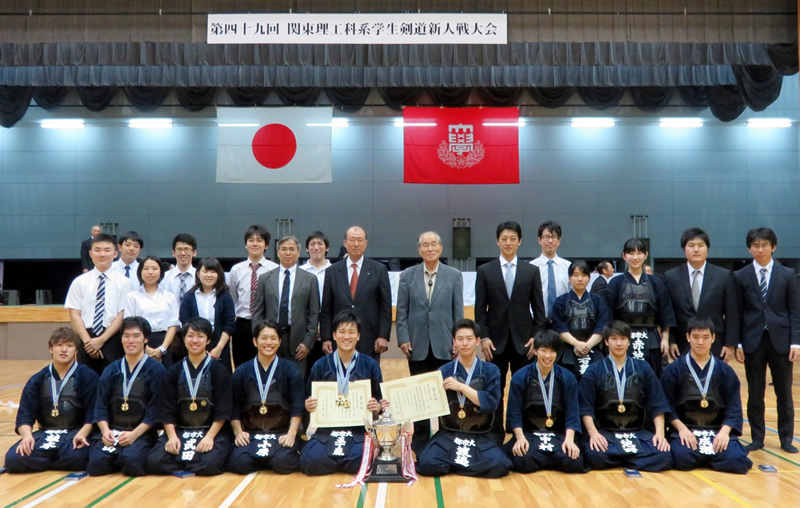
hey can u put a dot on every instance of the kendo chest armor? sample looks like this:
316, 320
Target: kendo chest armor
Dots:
203, 415
138, 398
607, 412
581, 318
688, 400
534, 414
278, 415
475, 421
71, 414
637, 304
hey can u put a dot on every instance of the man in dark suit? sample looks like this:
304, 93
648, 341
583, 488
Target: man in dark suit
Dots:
770, 326
362, 285
505, 292
86, 246
430, 298
606, 270
291, 297
700, 289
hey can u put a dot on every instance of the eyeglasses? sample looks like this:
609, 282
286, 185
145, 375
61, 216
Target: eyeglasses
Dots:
184, 251
548, 238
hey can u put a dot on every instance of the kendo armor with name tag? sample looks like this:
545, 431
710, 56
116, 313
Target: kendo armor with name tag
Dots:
203, 416
137, 402
278, 415
71, 414
475, 421
637, 304
534, 414
607, 413
687, 404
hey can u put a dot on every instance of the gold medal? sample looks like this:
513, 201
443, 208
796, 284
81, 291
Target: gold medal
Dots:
203, 403
124, 406
263, 409
346, 403
193, 405
54, 412
549, 422
461, 413
621, 407
339, 400
704, 403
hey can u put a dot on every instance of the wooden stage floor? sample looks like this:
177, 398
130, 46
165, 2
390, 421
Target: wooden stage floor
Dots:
546, 489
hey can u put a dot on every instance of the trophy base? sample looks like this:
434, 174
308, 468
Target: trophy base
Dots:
387, 472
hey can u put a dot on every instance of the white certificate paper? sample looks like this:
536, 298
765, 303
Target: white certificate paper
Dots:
416, 398
329, 415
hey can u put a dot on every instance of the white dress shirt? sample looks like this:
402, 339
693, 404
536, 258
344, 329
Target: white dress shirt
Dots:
320, 273
160, 310
205, 304
239, 282
561, 272
172, 281
281, 276
700, 276
504, 264
82, 295
349, 262
768, 275
119, 266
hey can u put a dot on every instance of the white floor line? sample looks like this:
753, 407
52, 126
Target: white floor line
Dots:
232, 497
50, 494
380, 501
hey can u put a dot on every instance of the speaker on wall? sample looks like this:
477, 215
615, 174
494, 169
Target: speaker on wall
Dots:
462, 246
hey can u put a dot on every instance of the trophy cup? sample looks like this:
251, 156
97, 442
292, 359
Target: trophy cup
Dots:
387, 467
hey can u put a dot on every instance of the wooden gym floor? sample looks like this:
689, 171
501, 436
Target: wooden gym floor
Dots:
701, 488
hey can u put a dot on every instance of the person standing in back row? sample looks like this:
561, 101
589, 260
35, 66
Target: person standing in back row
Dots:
552, 268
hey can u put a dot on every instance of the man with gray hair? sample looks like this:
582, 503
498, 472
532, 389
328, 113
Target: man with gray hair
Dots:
290, 297
86, 246
430, 298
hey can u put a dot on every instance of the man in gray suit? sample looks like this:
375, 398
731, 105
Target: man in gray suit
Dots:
290, 297
430, 298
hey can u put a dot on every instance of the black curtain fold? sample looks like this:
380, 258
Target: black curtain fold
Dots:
96, 98
552, 97
297, 96
397, 97
247, 95
348, 99
651, 99
760, 85
499, 96
601, 97
783, 57
726, 102
145, 98
49, 97
450, 97
14, 102
196, 98
695, 97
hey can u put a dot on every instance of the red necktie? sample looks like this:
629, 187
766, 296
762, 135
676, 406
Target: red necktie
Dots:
253, 286
354, 281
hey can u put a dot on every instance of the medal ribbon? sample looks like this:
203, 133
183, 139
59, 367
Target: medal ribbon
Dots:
196, 386
127, 385
263, 389
546, 397
620, 381
56, 393
462, 399
342, 379
703, 388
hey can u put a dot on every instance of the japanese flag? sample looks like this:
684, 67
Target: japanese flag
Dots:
274, 145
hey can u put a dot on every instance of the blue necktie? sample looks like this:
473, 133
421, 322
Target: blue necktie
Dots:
183, 288
763, 284
128, 271
99, 307
283, 311
551, 287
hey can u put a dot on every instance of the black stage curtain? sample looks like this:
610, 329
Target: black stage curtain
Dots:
96, 98
552, 97
14, 102
726, 102
783, 57
247, 95
196, 98
146, 98
397, 97
49, 97
450, 97
348, 99
499, 96
759, 85
297, 96
651, 99
601, 97
695, 97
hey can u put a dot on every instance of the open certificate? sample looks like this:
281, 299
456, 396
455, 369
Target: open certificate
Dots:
417, 397
329, 415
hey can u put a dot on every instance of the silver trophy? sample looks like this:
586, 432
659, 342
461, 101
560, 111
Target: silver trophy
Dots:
385, 432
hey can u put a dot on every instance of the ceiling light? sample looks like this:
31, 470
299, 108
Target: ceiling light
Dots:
336, 122
769, 123
401, 123
66, 123
238, 124
593, 123
680, 123
150, 123
520, 123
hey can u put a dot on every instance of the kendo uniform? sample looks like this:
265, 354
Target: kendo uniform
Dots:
331, 451
212, 403
466, 446
581, 317
285, 399
644, 306
629, 433
53, 447
724, 408
142, 408
526, 410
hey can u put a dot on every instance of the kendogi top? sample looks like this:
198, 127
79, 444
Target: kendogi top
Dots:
198, 400
58, 404
464, 415
644, 306
285, 395
717, 384
581, 317
128, 398
627, 400
549, 408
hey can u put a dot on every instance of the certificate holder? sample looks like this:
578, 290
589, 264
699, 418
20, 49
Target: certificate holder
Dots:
416, 398
329, 415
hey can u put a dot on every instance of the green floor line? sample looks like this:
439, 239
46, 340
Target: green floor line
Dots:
773, 453
35, 492
362, 496
96, 501
439, 496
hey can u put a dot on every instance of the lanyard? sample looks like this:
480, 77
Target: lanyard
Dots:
462, 399
342, 378
263, 389
127, 385
56, 392
193, 387
703, 388
620, 381
547, 395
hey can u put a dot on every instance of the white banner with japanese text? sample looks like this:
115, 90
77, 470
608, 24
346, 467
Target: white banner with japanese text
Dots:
354, 28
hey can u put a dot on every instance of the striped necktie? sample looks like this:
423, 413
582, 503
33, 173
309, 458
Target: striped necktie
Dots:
253, 286
99, 306
763, 284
